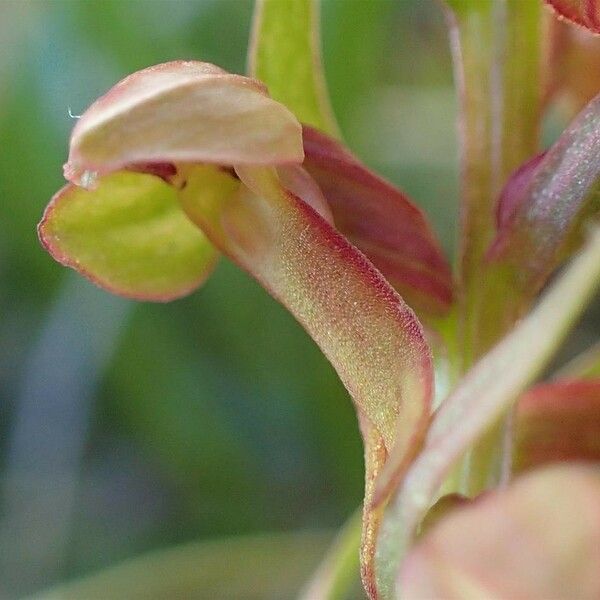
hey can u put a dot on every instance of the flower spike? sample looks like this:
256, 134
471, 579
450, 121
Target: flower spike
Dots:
227, 158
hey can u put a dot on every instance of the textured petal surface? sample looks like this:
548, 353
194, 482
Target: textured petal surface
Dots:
183, 111
557, 422
515, 190
129, 236
545, 205
285, 53
484, 394
379, 220
539, 539
371, 337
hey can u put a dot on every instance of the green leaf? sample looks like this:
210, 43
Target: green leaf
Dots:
129, 236
558, 421
488, 390
285, 53
537, 539
338, 571
245, 568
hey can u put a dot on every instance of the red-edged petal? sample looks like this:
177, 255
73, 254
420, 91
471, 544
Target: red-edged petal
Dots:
182, 111
371, 337
379, 220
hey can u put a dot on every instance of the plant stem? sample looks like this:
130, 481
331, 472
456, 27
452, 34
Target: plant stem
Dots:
338, 571
496, 53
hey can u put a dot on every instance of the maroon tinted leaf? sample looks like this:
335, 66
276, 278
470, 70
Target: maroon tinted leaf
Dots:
544, 207
557, 422
515, 189
381, 221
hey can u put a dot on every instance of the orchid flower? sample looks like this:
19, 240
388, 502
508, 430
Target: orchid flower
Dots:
181, 162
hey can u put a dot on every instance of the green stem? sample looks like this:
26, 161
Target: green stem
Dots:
583, 366
338, 572
496, 52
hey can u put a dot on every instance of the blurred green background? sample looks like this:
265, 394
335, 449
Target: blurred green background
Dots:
130, 427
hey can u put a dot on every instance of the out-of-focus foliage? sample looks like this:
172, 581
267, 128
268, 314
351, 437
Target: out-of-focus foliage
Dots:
258, 567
